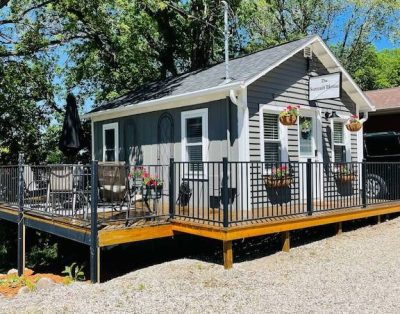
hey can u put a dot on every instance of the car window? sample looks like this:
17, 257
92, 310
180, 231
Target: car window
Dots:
382, 145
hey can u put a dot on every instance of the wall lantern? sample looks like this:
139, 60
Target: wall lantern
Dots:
331, 115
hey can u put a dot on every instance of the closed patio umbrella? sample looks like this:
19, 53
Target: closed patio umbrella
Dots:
70, 141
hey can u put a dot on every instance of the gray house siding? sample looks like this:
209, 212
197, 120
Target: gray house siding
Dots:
138, 134
288, 84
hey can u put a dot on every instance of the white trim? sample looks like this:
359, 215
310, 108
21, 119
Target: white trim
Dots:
243, 127
191, 98
203, 114
279, 62
111, 126
349, 78
283, 133
317, 114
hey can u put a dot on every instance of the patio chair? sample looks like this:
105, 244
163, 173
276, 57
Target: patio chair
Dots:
65, 186
35, 185
113, 185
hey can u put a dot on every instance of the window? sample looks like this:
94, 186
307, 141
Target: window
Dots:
306, 137
110, 142
339, 146
195, 138
272, 138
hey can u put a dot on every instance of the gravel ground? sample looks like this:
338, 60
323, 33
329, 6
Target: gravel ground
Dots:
356, 272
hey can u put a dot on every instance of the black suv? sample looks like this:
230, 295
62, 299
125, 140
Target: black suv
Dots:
382, 152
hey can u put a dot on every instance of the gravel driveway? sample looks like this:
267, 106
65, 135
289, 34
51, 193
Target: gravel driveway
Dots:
356, 272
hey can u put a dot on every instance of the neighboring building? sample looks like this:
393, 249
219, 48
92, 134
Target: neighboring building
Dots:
386, 118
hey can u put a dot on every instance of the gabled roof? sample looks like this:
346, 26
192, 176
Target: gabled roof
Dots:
385, 99
243, 71
240, 69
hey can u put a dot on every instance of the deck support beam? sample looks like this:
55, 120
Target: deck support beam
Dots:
228, 254
339, 228
94, 239
378, 219
21, 220
285, 236
21, 248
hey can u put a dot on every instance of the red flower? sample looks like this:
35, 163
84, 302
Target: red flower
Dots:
289, 107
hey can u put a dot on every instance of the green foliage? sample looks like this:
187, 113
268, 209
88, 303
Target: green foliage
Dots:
74, 272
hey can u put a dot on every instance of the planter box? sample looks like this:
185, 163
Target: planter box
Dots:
271, 182
153, 192
345, 178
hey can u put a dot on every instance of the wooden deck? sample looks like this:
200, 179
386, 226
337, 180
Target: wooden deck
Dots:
116, 233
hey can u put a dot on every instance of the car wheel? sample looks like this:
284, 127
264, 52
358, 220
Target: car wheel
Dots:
376, 186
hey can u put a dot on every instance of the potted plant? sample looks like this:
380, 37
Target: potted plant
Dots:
305, 127
279, 178
153, 185
344, 174
354, 124
135, 176
289, 115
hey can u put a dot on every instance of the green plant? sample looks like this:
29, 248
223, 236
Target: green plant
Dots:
141, 287
74, 272
354, 119
290, 111
343, 170
306, 125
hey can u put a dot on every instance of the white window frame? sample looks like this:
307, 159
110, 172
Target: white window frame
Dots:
111, 126
283, 134
199, 113
346, 138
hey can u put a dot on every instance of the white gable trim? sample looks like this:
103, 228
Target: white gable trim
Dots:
221, 91
317, 39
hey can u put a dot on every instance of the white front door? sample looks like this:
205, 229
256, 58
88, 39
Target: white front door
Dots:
310, 147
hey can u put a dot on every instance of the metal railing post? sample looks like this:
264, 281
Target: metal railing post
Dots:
364, 183
309, 174
94, 252
21, 225
225, 196
171, 188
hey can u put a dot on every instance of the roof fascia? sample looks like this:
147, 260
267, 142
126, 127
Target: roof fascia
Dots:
192, 98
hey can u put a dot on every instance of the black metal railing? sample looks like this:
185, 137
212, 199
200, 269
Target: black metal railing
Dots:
9, 185
227, 193
220, 193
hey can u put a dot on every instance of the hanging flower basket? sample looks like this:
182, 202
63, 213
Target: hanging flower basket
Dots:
272, 182
288, 120
279, 178
354, 124
289, 115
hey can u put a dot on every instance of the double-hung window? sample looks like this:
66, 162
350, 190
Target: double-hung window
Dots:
339, 144
110, 142
272, 138
195, 138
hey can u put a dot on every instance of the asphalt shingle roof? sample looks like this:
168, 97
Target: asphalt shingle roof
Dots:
240, 69
388, 98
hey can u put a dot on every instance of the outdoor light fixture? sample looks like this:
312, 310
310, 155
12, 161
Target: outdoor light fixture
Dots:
331, 115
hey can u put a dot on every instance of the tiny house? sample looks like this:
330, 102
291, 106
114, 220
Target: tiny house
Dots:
204, 116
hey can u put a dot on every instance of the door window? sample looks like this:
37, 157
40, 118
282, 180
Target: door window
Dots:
306, 133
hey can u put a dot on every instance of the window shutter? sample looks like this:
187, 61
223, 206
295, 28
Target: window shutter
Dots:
338, 133
272, 146
271, 126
